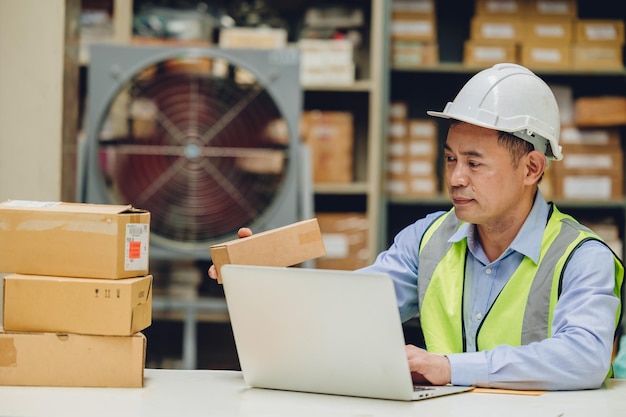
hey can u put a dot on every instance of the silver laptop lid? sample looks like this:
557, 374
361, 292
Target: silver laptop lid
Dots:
333, 332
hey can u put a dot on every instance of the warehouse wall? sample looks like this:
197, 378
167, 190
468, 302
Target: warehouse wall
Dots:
31, 98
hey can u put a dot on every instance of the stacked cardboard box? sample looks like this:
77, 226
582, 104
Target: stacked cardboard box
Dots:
549, 34
330, 136
598, 44
412, 152
327, 62
592, 165
78, 294
542, 34
345, 239
496, 29
414, 33
535, 33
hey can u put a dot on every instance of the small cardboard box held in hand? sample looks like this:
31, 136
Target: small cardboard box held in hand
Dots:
73, 239
284, 246
35, 303
72, 360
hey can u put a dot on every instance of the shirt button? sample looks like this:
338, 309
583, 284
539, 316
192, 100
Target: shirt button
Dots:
488, 271
479, 316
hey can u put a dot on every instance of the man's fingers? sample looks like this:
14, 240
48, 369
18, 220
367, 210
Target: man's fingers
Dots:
244, 232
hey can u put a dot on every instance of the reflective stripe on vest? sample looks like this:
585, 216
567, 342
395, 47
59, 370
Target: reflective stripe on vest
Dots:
522, 312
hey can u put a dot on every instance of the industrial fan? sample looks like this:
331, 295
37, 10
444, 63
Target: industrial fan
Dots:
204, 138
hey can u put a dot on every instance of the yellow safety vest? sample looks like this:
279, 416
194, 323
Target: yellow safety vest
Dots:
522, 312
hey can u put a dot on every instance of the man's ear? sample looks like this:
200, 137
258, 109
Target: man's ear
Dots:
535, 166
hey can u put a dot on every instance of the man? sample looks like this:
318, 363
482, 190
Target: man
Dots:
510, 292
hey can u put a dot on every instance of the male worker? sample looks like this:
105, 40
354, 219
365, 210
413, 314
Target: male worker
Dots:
510, 292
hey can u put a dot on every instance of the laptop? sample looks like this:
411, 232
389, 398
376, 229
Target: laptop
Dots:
321, 331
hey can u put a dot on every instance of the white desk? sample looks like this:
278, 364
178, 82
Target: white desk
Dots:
185, 393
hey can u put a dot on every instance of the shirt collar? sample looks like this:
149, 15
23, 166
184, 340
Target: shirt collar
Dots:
528, 241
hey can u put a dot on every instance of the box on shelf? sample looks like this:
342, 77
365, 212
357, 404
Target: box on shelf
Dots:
71, 360
597, 57
74, 239
35, 303
583, 186
422, 139
590, 137
600, 32
326, 61
414, 53
545, 55
398, 130
345, 239
421, 166
406, 26
423, 129
497, 28
600, 111
488, 53
412, 186
591, 158
550, 29
330, 136
398, 110
284, 246
590, 172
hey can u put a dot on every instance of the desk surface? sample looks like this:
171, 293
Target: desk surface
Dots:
224, 393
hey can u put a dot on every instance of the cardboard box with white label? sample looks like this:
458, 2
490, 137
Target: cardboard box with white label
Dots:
74, 239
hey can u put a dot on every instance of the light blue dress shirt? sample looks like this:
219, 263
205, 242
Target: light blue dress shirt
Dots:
578, 354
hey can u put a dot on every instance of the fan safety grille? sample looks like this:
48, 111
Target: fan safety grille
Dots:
198, 142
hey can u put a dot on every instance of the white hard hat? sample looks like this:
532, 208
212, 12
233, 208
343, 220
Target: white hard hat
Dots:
510, 98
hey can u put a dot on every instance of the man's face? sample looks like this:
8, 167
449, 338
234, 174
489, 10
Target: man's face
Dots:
482, 182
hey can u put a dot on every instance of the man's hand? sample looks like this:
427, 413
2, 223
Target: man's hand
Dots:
241, 233
428, 367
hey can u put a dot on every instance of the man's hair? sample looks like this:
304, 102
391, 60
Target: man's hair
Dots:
517, 147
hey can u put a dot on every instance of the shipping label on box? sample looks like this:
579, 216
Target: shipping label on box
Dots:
72, 360
284, 246
73, 239
35, 303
